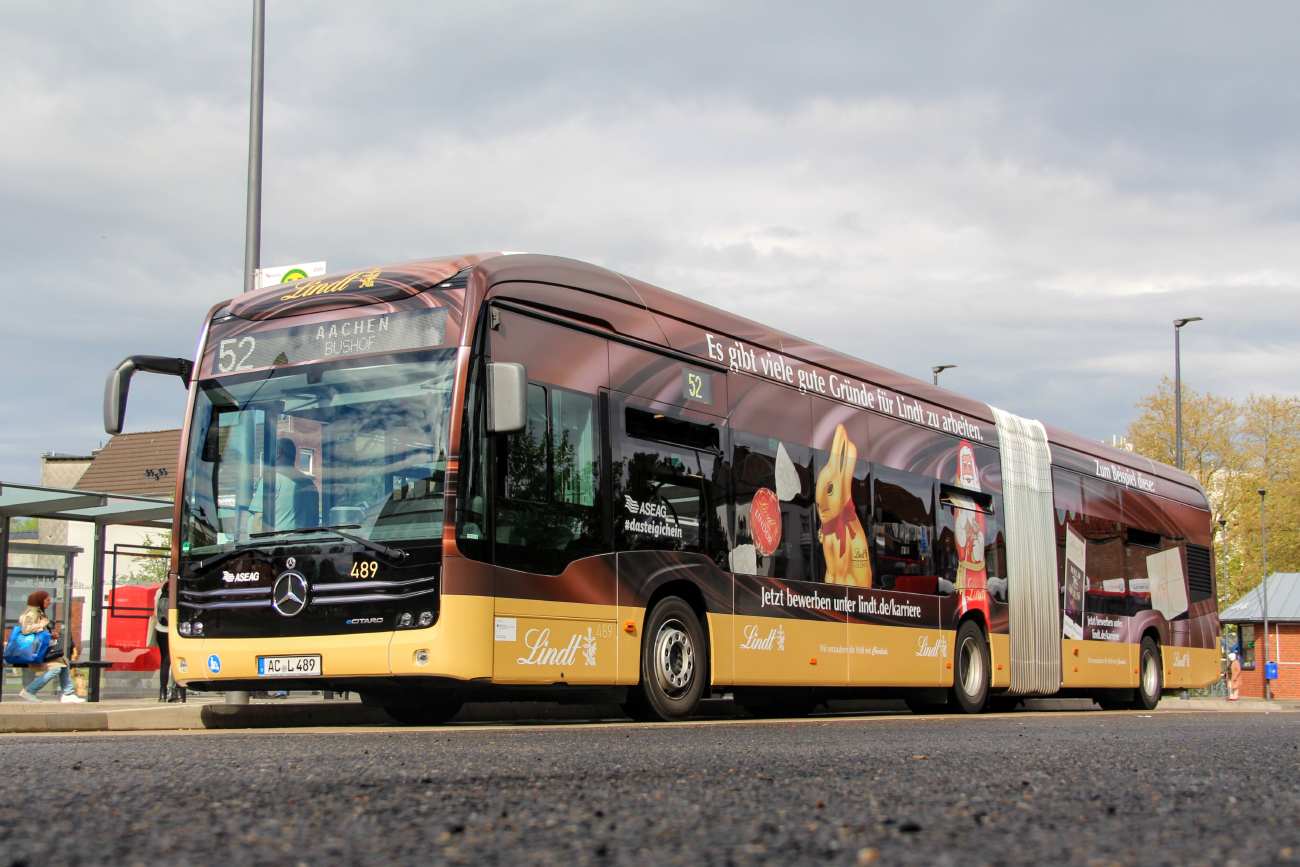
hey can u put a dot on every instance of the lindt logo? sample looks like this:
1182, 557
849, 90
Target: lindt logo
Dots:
925, 648
538, 641
774, 640
240, 577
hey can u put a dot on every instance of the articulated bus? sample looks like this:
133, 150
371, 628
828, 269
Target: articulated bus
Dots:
521, 477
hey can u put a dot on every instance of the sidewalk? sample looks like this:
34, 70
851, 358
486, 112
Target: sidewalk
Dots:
210, 712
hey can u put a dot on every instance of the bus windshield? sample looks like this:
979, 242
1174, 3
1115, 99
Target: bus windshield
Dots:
356, 444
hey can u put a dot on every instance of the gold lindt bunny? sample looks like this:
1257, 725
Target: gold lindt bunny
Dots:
843, 541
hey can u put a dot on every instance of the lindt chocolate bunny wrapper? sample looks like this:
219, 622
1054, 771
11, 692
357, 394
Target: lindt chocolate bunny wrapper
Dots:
844, 543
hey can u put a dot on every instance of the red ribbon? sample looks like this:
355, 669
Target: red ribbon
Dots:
844, 521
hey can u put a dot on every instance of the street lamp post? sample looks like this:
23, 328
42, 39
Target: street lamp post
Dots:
1223, 555
940, 368
253, 217
1178, 391
1263, 544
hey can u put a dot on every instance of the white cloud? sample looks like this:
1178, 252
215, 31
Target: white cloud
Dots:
1030, 199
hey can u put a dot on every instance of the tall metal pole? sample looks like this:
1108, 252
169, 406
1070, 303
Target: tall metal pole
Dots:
253, 224
1263, 543
97, 612
4, 588
1178, 401
1178, 391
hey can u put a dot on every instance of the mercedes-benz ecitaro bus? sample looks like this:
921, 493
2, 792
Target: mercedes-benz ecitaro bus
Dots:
507, 477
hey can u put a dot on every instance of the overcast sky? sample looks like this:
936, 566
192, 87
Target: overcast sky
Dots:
1029, 191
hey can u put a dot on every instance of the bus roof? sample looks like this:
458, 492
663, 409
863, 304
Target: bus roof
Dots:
652, 314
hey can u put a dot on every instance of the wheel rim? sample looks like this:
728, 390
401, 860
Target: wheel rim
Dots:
1150, 675
970, 663
674, 658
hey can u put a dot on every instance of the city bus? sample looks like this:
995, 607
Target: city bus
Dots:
501, 477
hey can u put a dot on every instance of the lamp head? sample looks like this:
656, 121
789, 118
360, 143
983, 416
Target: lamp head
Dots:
1262, 492
1179, 323
940, 368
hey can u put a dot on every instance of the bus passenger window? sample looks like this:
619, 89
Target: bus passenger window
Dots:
784, 472
548, 513
664, 483
526, 476
904, 531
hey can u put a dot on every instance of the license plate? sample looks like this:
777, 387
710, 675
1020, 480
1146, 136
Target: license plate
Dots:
288, 666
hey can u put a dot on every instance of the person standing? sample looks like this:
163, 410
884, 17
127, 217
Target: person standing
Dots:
31, 621
177, 693
1234, 677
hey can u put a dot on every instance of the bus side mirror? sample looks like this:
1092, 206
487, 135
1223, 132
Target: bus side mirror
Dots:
119, 383
507, 389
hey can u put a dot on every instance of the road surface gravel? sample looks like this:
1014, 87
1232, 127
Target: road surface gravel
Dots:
1087, 789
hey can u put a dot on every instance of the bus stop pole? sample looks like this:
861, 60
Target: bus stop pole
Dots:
96, 611
4, 589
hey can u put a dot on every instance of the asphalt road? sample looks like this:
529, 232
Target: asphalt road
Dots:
1089, 789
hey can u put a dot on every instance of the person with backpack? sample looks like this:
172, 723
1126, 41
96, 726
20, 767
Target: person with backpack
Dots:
177, 693
32, 621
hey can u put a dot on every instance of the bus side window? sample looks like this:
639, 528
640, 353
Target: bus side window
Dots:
665, 489
904, 531
548, 509
785, 472
1106, 553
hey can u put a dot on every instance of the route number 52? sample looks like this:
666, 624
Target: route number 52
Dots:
230, 358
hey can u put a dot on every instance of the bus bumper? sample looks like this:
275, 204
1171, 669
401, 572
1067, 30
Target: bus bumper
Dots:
457, 647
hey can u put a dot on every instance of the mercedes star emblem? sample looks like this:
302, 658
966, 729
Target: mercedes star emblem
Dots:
289, 594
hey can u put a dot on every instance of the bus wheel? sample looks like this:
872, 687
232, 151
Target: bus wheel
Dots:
674, 666
433, 714
970, 686
777, 702
1152, 673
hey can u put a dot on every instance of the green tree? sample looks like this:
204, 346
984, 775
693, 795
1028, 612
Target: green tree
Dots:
1234, 449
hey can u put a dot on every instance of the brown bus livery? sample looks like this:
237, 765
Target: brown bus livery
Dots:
501, 477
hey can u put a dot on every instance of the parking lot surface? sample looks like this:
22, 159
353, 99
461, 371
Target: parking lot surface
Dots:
1079, 788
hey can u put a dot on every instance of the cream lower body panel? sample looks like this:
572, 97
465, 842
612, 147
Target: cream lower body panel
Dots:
1190, 667
899, 656
1103, 664
459, 646
539, 642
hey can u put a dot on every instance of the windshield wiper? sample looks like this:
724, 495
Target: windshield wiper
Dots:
382, 550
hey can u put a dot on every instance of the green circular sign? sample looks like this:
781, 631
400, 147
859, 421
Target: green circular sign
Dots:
293, 274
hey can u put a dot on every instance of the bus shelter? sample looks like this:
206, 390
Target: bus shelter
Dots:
60, 504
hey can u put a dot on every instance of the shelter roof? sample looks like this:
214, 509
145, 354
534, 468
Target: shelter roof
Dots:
61, 504
1283, 601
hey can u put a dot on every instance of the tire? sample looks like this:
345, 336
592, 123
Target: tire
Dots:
433, 714
674, 665
970, 687
777, 702
1151, 671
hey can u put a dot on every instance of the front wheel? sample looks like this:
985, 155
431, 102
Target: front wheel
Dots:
674, 664
1151, 669
970, 688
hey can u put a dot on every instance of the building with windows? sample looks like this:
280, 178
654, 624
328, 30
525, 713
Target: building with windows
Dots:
1283, 635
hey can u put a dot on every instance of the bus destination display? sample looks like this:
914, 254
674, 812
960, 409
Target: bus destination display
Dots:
358, 335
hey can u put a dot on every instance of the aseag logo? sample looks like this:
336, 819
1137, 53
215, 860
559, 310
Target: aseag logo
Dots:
239, 577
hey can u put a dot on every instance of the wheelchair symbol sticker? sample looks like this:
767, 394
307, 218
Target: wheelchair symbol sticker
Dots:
214, 664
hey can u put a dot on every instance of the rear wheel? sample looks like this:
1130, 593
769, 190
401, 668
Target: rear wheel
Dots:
674, 664
970, 687
434, 713
1151, 671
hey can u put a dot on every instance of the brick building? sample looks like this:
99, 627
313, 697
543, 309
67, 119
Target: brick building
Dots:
1283, 635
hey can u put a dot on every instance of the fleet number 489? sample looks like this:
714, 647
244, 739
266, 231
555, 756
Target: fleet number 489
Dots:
367, 569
